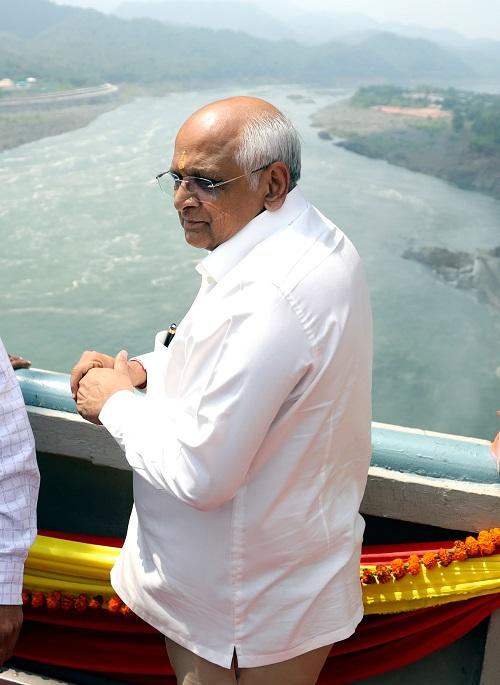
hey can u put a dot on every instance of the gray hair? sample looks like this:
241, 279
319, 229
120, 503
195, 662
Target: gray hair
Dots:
266, 138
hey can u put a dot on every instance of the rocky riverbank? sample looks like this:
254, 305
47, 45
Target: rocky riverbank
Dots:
428, 145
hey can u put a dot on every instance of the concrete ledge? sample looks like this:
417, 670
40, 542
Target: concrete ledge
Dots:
12, 676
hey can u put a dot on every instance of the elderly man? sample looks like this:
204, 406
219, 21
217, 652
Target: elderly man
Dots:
19, 480
250, 448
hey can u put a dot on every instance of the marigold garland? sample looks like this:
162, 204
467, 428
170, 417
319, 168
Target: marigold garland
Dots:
66, 602
486, 544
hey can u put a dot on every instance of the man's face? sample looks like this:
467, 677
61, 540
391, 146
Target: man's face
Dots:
205, 147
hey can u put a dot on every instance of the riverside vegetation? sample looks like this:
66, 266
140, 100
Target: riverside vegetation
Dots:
448, 133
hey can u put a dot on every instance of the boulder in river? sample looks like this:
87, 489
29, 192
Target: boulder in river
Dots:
479, 271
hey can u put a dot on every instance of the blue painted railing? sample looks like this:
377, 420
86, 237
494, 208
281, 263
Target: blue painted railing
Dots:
48, 389
401, 450
434, 456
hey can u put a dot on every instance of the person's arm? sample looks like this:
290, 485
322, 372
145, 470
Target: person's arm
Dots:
19, 480
238, 372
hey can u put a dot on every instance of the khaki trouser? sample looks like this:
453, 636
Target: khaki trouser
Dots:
191, 669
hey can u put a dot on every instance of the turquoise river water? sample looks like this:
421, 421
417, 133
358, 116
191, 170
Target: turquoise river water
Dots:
92, 256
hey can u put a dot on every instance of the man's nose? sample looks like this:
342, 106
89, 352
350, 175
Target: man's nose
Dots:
185, 196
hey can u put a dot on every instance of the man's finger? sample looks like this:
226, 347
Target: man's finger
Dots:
121, 364
74, 380
79, 371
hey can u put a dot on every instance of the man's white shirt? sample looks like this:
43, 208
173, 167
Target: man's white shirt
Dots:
19, 480
251, 447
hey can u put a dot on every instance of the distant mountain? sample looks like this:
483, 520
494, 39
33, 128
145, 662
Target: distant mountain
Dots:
315, 28
273, 21
417, 57
484, 56
78, 47
104, 6
29, 17
216, 14
281, 19
90, 48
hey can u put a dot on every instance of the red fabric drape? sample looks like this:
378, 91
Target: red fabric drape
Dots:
127, 649
384, 643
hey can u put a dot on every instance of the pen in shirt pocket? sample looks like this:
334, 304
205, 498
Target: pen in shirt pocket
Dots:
170, 334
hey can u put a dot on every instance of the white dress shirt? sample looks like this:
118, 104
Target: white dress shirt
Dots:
251, 448
19, 480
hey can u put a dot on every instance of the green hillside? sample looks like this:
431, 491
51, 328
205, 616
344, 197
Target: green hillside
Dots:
81, 47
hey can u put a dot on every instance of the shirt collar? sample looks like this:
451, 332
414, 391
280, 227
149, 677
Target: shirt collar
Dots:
219, 262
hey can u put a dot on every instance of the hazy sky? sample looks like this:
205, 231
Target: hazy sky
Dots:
473, 18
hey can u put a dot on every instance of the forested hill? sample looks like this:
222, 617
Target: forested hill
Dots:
75, 47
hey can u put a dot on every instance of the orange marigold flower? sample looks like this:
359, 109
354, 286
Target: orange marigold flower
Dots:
125, 610
413, 564
37, 600
398, 568
368, 577
472, 547
460, 551
383, 573
486, 543
67, 602
114, 604
487, 548
26, 597
495, 536
445, 556
81, 603
429, 559
54, 600
96, 602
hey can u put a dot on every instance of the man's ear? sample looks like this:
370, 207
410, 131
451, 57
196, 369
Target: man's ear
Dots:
277, 181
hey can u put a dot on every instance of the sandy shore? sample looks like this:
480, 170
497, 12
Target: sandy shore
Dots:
20, 127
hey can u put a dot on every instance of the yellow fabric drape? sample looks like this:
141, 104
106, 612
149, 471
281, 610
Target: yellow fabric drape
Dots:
440, 585
68, 566
82, 568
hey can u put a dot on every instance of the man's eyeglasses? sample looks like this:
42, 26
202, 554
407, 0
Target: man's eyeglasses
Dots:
203, 188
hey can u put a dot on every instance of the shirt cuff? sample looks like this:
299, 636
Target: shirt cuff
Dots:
146, 360
11, 580
138, 361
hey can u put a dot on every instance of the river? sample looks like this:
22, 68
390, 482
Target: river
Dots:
93, 257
